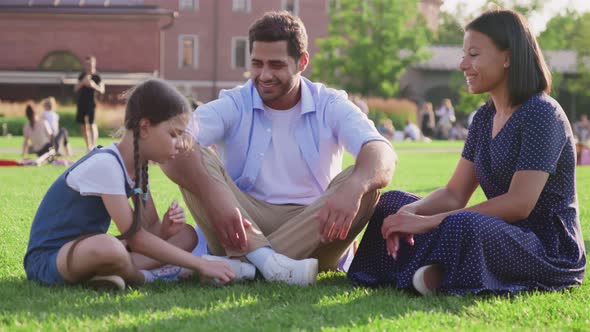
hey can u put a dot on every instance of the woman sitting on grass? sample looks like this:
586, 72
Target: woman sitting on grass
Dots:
60, 134
68, 242
521, 151
37, 137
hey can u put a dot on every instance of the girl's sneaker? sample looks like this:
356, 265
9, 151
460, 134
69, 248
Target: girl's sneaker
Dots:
108, 282
167, 273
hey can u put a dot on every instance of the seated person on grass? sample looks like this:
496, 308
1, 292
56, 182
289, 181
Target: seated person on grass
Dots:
520, 150
278, 197
69, 243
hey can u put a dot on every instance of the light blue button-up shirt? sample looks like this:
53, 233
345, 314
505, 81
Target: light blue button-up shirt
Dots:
236, 123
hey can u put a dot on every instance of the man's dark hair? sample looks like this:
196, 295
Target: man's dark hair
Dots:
528, 73
278, 26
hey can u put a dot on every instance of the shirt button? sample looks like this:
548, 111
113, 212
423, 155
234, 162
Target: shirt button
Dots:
268, 130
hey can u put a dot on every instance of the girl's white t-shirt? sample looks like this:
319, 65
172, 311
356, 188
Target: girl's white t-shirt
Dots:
100, 174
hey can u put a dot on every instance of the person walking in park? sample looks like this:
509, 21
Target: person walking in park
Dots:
89, 84
277, 195
69, 243
520, 150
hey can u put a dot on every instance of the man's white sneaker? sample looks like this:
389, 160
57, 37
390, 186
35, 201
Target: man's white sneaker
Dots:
294, 272
243, 271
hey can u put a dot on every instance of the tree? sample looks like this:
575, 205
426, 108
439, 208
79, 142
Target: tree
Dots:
369, 44
562, 31
450, 31
571, 30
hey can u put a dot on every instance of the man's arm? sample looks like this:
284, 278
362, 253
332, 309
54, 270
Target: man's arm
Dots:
188, 170
99, 87
373, 170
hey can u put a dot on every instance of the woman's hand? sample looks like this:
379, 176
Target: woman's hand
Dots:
408, 208
403, 225
174, 220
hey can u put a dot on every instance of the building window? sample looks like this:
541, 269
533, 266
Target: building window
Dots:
188, 51
241, 5
60, 61
291, 6
240, 53
188, 4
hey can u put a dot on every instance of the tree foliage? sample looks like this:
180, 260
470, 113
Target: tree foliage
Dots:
369, 45
450, 30
571, 30
562, 32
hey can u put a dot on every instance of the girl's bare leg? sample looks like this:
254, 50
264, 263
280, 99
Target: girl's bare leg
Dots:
101, 254
185, 239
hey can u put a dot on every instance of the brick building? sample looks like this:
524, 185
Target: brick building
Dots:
199, 45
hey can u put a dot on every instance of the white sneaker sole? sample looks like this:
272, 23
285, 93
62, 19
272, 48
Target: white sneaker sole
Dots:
312, 276
418, 281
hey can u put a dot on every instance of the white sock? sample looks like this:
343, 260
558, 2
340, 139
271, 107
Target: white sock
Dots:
259, 256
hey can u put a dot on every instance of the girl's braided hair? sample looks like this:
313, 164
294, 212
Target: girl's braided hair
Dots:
156, 101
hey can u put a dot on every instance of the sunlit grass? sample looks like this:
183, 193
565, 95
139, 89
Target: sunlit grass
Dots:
331, 304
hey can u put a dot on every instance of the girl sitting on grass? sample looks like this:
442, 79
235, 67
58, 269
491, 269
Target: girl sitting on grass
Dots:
68, 242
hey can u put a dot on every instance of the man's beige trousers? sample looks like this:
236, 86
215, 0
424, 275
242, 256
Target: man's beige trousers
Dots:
289, 229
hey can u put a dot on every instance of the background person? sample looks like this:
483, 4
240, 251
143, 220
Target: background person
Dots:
427, 119
446, 118
60, 134
89, 84
37, 137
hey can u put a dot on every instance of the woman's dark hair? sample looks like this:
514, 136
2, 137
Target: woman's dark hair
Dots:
156, 101
30, 113
278, 26
528, 73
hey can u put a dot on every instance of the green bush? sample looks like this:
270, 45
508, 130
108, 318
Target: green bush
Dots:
398, 119
14, 125
397, 110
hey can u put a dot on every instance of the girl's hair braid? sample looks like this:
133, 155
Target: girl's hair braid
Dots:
156, 101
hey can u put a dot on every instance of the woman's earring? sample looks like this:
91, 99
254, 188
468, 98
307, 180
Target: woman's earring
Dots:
506, 65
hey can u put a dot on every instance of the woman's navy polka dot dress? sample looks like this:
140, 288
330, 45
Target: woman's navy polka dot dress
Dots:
480, 253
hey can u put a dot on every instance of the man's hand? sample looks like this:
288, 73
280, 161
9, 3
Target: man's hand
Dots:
336, 216
86, 81
230, 227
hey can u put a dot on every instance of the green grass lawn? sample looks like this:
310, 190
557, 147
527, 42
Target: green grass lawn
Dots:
331, 304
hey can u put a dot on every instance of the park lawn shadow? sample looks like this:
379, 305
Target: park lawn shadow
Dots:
332, 303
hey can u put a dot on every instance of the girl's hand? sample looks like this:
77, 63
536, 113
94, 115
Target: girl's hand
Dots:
173, 221
220, 272
175, 213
